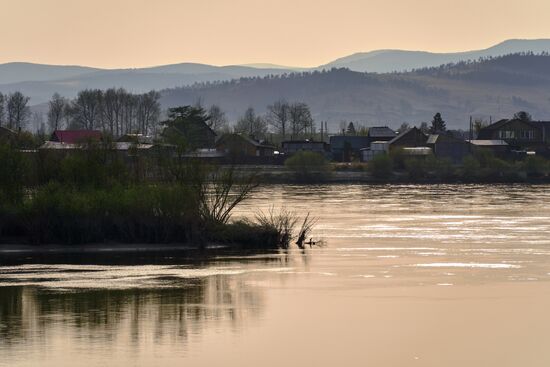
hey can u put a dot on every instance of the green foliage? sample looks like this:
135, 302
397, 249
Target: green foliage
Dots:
152, 214
438, 124
439, 168
415, 169
470, 167
398, 158
26, 140
381, 167
308, 166
92, 168
248, 235
535, 166
13, 172
185, 127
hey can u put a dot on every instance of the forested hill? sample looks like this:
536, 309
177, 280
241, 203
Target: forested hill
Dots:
495, 87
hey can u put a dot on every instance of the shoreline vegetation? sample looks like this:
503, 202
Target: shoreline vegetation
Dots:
396, 168
92, 196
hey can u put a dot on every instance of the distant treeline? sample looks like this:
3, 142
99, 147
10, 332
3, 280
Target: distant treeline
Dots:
116, 111
539, 60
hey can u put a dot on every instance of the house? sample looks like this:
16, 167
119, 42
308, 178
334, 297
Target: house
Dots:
240, 145
498, 147
380, 133
344, 147
411, 138
375, 148
448, 147
135, 138
7, 135
519, 134
290, 147
75, 136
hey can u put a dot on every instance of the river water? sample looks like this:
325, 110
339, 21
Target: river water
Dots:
408, 276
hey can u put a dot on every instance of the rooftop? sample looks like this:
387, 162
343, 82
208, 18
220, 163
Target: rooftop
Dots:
381, 132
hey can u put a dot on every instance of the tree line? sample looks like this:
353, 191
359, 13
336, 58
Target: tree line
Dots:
116, 111
282, 118
14, 110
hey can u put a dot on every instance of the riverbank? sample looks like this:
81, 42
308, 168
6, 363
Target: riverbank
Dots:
354, 173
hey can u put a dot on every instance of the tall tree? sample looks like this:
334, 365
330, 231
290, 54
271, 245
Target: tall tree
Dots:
404, 127
438, 124
251, 124
278, 116
523, 116
424, 127
218, 120
185, 127
86, 109
351, 129
479, 124
110, 111
2, 109
148, 112
300, 118
56, 112
18, 112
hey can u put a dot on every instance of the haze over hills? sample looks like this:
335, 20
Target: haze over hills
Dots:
496, 87
386, 61
41, 81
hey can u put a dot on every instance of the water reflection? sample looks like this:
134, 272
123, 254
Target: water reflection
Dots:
31, 314
433, 272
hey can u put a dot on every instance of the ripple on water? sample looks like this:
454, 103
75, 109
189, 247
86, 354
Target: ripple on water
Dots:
468, 265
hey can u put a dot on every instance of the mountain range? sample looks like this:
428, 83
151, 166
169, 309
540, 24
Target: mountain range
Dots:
489, 89
41, 81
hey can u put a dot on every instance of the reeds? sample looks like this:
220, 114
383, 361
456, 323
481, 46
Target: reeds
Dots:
284, 224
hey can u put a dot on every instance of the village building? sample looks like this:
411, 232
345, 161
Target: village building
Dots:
520, 134
75, 136
290, 147
380, 133
448, 147
240, 145
345, 147
135, 138
410, 138
497, 147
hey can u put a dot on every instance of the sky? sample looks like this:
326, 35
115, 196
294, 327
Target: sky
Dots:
138, 33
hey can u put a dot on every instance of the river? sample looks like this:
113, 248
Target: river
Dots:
448, 275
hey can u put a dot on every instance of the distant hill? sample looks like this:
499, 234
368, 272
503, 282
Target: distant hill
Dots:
495, 87
385, 61
41, 81
16, 72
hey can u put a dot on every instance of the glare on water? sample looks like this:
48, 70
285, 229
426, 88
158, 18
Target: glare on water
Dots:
410, 275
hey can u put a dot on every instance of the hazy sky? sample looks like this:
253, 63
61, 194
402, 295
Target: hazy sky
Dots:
135, 33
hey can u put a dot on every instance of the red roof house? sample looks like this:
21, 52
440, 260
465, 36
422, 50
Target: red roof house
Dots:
75, 136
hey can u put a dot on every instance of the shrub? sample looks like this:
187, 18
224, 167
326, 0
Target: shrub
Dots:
415, 168
308, 166
470, 168
440, 168
535, 166
381, 167
13, 172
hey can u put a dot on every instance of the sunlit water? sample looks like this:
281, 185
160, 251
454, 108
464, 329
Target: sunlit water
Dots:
409, 276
